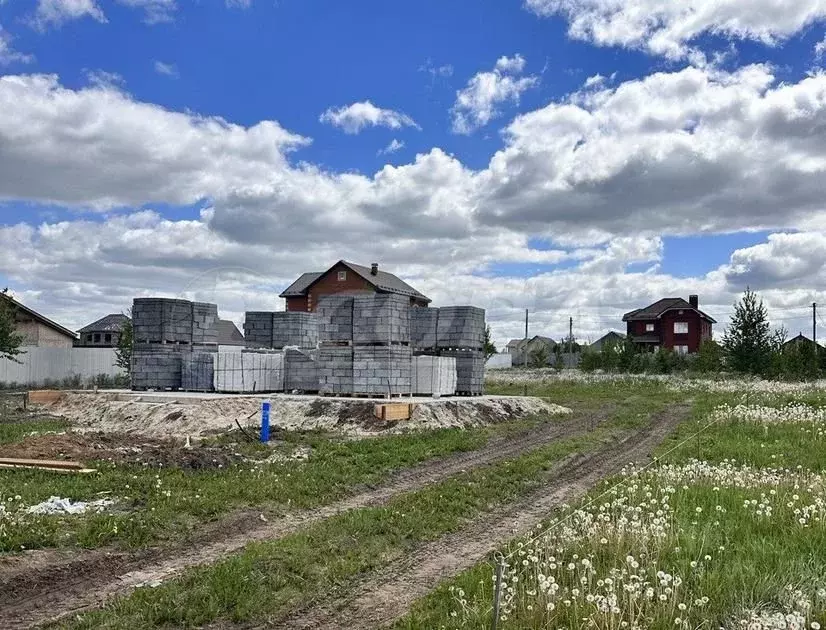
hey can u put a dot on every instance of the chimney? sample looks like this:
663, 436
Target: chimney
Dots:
694, 301
374, 269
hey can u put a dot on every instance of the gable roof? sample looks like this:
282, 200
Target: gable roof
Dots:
300, 286
228, 333
656, 310
800, 338
515, 343
38, 317
611, 334
110, 323
383, 281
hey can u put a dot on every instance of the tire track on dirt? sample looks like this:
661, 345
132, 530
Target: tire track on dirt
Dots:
388, 594
73, 585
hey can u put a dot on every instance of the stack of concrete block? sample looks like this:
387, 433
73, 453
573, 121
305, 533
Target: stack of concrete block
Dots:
204, 317
161, 320
381, 318
335, 369
156, 366
423, 324
470, 370
461, 327
258, 329
198, 371
294, 328
335, 318
300, 370
249, 372
382, 370
433, 376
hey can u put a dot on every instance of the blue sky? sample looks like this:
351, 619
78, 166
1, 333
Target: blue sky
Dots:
502, 201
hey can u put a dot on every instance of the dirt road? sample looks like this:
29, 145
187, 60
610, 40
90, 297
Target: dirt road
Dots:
387, 595
48, 585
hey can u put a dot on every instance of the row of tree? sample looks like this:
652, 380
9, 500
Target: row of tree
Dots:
749, 346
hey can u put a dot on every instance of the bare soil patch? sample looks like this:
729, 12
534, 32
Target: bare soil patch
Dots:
120, 448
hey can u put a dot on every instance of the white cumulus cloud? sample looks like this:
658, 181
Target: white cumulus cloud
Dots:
54, 13
395, 145
8, 54
355, 117
668, 28
477, 103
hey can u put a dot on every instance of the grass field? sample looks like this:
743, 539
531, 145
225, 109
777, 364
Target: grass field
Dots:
724, 531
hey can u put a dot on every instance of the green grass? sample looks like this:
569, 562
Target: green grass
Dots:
154, 505
15, 431
268, 580
762, 555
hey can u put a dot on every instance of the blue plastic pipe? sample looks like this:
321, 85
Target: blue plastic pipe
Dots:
265, 421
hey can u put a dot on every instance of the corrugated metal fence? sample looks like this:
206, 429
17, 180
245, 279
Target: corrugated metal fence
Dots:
42, 365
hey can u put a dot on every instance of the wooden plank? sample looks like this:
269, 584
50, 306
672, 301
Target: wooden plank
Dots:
48, 468
51, 463
393, 411
44, 396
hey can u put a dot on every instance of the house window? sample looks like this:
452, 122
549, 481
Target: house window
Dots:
89, 338
680, 328
681, 349
342, 276
107, 337
97, 337
649, 328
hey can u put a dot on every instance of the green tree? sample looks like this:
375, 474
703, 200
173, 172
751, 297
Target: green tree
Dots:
591, 360
489, 347
539, 357
123, 352
709, 358
10, 339
748, 342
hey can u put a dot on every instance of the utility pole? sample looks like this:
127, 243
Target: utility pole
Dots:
814, 322
525, 349
571, 336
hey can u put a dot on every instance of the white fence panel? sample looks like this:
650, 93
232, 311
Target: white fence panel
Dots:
499, 361
38, 365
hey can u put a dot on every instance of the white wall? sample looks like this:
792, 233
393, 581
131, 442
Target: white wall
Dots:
55, 364
501, 360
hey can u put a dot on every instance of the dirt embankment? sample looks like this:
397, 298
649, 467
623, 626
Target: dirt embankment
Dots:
190, 416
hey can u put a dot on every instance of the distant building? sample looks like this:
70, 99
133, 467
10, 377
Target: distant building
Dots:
104, 333
800, 340
534, 345
610, 337
670, 323
37, 330
228, 334
345, 277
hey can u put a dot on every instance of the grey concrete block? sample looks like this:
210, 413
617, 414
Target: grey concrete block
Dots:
335, 318
470, 370
382, 370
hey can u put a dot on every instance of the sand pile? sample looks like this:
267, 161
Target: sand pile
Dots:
203, 416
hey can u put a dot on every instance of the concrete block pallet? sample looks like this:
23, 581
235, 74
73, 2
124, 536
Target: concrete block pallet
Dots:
470, 370
198, 372
258, 329
382, 370
204, 317
423, 325
335, 369
294, 329
381, 318
300, 370
461, 327
335, 318
249, 372
433, 376
157, 368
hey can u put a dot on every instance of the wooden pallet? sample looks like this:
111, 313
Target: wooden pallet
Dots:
393, 411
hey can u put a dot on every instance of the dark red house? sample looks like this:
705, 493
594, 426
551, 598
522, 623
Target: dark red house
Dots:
670, 323
345, 277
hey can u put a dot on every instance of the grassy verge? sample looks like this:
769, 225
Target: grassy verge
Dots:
268, 580
163, 504
729, 541
16, 430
